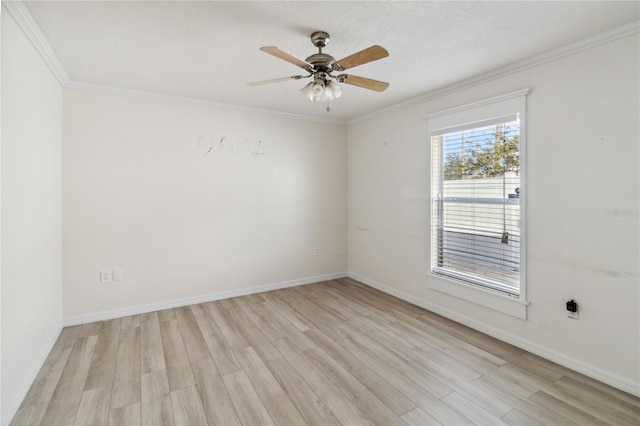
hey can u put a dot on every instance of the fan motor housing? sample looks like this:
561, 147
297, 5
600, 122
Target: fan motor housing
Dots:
321, 61
320, 65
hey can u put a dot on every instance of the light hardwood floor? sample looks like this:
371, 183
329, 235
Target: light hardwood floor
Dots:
330, 353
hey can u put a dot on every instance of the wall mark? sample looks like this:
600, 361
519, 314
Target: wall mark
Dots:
220, 146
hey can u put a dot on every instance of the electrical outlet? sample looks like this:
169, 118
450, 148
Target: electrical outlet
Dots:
106, 275
317, 251
572, 309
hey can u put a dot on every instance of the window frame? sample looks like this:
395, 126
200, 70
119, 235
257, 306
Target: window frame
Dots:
479, 112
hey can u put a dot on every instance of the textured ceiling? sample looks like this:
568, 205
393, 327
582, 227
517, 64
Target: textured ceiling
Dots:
210, 50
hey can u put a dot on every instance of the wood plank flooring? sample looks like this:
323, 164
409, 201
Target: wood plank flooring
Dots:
330, 353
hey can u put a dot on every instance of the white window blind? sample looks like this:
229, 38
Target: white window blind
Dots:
475, 187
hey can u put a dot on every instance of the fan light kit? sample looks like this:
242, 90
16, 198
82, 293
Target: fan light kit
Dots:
320, 66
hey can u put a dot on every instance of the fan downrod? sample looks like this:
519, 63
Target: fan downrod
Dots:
320, 61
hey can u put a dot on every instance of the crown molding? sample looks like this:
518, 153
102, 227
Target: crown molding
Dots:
202, 103
22, 16
530, 62
20, 13
18, 10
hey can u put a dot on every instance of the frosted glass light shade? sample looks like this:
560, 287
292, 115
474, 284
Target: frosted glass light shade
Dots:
321, 91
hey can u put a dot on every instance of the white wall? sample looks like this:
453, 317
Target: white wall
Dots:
31, 214
149, 187
582, 159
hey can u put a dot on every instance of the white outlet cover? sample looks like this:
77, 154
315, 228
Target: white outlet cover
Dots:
117, 274
106, 275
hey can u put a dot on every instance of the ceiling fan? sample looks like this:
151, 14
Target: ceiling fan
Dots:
320, 67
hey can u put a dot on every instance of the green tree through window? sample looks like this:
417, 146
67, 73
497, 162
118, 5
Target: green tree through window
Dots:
489, 153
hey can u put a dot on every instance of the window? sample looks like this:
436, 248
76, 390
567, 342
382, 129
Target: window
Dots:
477, 226
475, 181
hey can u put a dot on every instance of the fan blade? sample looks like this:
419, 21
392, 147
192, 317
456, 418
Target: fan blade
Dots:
366, 83
369, 54
272, 50
276, 80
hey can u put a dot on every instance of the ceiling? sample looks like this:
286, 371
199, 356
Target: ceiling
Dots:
209, 50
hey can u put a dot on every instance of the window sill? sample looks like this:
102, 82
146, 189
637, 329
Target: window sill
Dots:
490, 299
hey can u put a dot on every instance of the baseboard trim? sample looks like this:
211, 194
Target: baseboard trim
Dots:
616, 381
10, 411
152, 307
